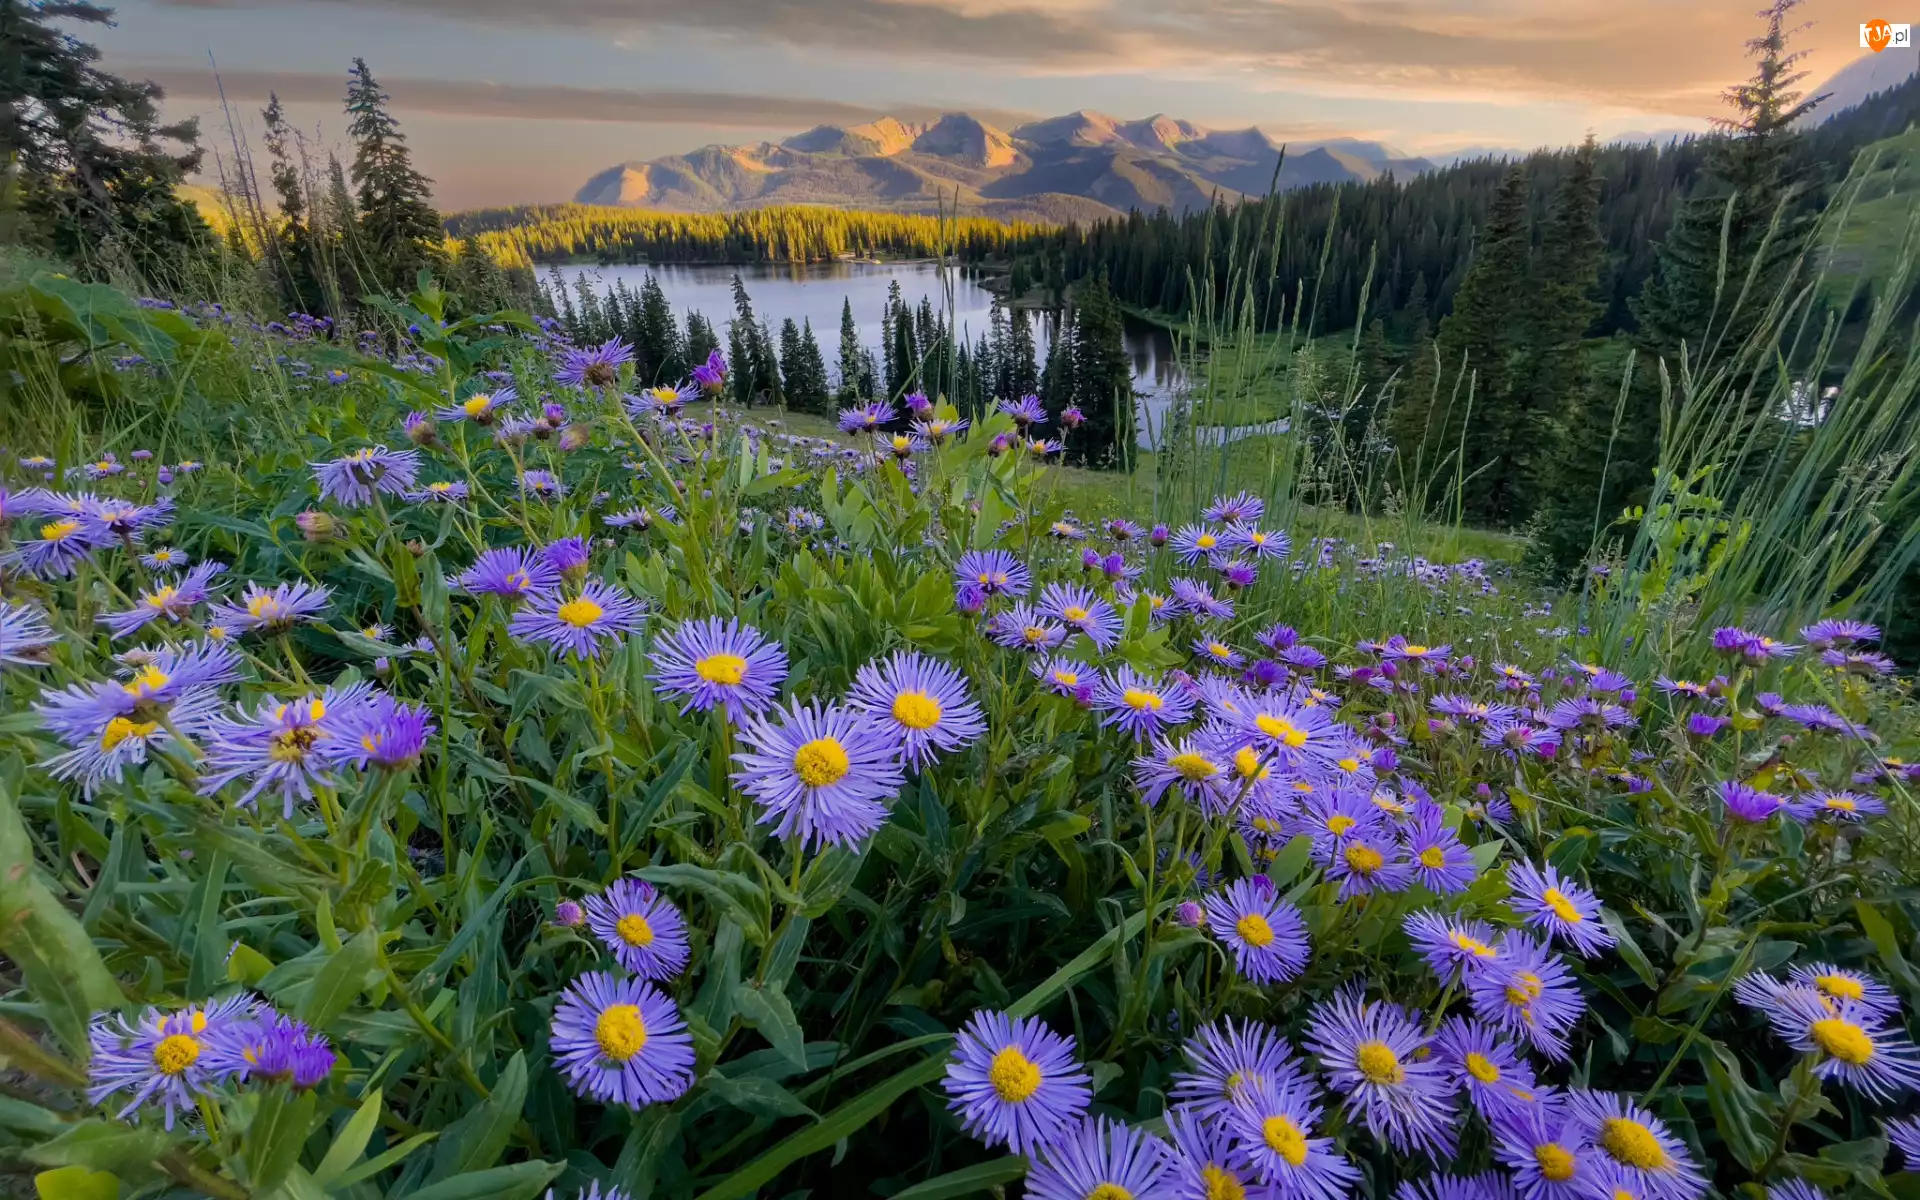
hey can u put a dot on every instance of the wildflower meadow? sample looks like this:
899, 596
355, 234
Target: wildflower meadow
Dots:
475, 771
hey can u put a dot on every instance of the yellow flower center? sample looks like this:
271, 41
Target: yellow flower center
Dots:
620, 1032
1523, 989
440, 486
1075, 613
1482, 1068
175, 1053
1014, 1076
1556, 1162
1067, 678
1339, 823
1254, 929
1839, 803
1109, 1191
1193, 766
1364, 859
729, 669
292, 745
1379, 1063
162, 596
1349, 764
260, 606
1246, 760
1562, 907
1206, 541
59, 531
475, 405
1840, 987
120, 729
1413, 649
1034, 634
1844, 1040
1285, 1138
916, 710
580, 613
634, 930
1472, 945
1221, 1184
1140, 700
820, 762
146, 681
1219, 650
1433, 858
1281, 730
1633, 1144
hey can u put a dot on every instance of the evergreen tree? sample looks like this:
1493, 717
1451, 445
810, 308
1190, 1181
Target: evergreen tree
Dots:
1023, 369
813, 394
398, 222
903, 353
290, 254
852, 358
1480, 339
889, 347
701, 341
792, 373
657, 336
1102, 379
85, 155
1749, 167
740, 360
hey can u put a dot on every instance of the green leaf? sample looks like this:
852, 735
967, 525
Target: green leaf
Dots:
390, 1157
767, 1010
76, 1183
104, 1146
247, 965
341, 979
1630, 951
351, 1142
281, 1122
759, 1096
827, 879
712, 885
476, 1141
1737, 1111
1291, 860
968, 1181
59, 963
521, 1181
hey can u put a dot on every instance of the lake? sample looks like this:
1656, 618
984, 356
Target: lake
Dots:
814, 292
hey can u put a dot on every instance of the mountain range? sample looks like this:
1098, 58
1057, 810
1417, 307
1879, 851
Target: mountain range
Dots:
1080, 166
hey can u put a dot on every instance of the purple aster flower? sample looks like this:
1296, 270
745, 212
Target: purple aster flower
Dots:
271, 610
509, 573
568, 554
1529, 993
1273, 1123
1848, 1039
1562, 909
1122, 530
1196, 543
1296, 737
479, 408
1550, 1154
1587, 712
1217, 652
1636, 1142
1705, 725
1207, 1162
1014, 1082
62, 546
1243, 509
644, 930
593, 366
1138, 705
1491, 1185
1399, 649
420, 428
162, 1058
712, 374
352, 480
270, 1048
1492, 1073
1838, 631
1066, 677
619, 1041
1192, 766
709, 662
288, 748
25, 636
1157, 536
1905, 1134
868, 418
1681, 687
995, 572
1841, 806
1025, 411
1223, 1059
970, 599
824, 773
1194, 599
1102, 1158
1746, 803
936, 431
923, 702
1840, 983
661, 401
1083, 611
581, 624
440, 491
385, 733
1266, 934
165, 558
1517, 738
1303, 657
1245, 539
173, 601
1372, 1053
112, 519
1454, 948
1858, 662
1794, 1189
1441, 864
541, 485
1370, 860
1022, 627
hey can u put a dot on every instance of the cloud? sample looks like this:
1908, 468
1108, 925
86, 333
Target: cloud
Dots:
463, 98
1639, 53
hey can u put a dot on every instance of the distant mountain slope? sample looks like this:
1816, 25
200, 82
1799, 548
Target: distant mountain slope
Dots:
1863, 77
1079, 166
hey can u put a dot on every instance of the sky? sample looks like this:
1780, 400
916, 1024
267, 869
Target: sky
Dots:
511, 101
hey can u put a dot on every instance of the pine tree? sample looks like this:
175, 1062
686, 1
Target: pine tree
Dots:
1480, 339
657, 338
398, 222
1023, 369
1751, 168
903, 355
792, 372
852, 358
290, 256
85, 152
813, 395
1102, 378
701, 341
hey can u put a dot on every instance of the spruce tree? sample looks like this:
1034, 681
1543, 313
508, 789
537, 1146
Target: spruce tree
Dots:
701, 341
85, 153
657, 338
1023, 368
852, 358
814, 396
398, 223
1479, 339
1102, 379
792, 372
290, 256
1750, 168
